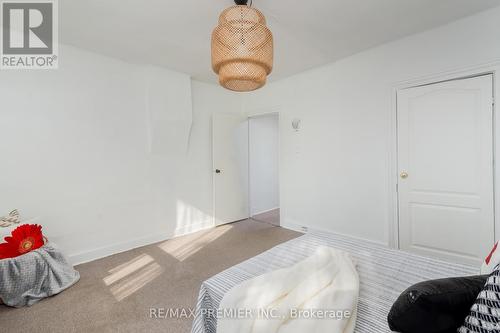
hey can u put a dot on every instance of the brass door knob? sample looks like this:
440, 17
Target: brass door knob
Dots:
403, 174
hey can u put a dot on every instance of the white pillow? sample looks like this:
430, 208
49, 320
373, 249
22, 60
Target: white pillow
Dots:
491, 261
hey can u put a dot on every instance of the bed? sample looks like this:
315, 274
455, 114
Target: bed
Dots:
384, 274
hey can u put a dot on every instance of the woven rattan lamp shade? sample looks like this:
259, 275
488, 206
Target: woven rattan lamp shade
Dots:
242, 49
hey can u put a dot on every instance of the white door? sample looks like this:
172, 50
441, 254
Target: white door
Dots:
230, 163
445, 161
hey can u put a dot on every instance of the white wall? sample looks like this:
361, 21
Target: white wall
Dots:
335, 170
87, 151
84, 147
263, 163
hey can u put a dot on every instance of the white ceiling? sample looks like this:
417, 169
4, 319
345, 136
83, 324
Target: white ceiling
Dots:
308, 33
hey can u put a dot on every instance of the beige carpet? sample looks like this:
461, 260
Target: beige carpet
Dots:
115, 294
271, 217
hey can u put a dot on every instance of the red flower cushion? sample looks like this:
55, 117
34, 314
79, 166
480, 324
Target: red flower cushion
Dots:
25, 238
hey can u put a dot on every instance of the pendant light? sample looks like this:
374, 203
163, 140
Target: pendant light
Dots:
242, 48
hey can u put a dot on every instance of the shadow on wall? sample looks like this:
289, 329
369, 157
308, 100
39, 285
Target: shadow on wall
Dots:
191, 219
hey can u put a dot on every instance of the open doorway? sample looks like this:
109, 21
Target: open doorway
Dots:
263, 151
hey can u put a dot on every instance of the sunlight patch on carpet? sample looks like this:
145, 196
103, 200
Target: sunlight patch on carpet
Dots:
136, 281
184, 247
125, 269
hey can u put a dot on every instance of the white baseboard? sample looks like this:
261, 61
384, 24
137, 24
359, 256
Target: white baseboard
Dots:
105, 251
193, 228
265, 211
296, 226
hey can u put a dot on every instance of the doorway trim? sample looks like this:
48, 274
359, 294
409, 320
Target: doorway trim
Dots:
464, 73
258, 113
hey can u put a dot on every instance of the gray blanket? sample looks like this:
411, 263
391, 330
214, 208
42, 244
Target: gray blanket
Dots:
29, 278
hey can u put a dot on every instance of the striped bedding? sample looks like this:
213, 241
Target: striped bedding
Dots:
384, 274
